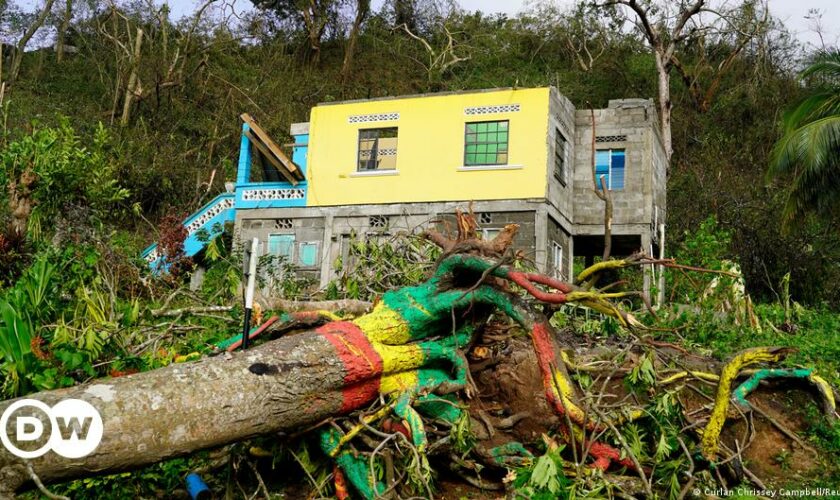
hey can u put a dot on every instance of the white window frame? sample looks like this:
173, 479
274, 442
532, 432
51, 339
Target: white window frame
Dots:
557, 259
486, 231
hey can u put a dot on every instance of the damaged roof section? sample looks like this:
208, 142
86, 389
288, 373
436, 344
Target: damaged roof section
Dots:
270, 155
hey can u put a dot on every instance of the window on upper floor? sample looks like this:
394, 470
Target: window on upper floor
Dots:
377, 149
559, 156
486, 143
609, 166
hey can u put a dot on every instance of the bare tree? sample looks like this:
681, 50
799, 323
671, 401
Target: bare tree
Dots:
599, 187
36, 24
134, 87
664, 31
362, 11
314, 15
584, 36
128, 40
60, 37
741, 30
668, 27
440, 59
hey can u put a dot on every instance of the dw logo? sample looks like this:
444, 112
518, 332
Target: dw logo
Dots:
75, 428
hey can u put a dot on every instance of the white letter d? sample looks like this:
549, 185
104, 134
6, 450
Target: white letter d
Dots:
29, 428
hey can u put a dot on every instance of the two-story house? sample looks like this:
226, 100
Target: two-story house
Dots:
401, 163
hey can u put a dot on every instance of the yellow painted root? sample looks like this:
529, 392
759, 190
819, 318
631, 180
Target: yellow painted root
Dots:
711, 377
710, 441
827, 393
600, 266
566, 392
367, 419
328, 315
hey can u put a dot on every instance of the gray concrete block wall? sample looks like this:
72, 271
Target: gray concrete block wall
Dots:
557, 234
525, 239
561, 117
635, 119
334, 226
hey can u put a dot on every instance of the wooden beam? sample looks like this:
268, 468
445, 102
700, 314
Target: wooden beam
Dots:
274, 149
266, 154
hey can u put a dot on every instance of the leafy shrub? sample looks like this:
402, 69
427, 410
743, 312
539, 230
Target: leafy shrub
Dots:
65, 171
375, 264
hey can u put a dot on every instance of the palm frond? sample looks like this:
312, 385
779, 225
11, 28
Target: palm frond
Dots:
825, 66
809, 149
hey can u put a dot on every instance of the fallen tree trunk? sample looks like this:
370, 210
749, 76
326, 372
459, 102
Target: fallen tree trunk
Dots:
148, 417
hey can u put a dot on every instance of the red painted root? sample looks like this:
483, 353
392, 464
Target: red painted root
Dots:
527, 280
603, 453
340, 483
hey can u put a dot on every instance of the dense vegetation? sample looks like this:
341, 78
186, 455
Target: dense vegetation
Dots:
89, 179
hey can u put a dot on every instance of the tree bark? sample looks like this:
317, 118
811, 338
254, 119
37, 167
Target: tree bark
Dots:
362, 10
663, 70
315, 19
30, 32
131, 88
603, 193
62, 31
173, 411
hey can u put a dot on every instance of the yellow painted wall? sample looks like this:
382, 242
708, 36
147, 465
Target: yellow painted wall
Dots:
430, 150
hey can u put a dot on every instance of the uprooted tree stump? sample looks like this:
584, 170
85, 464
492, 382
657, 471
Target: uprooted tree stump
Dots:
424, 370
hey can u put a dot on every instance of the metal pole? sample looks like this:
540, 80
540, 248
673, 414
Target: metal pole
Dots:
251, 275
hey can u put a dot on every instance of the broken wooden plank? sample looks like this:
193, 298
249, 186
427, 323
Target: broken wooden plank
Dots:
272, 146
267, 155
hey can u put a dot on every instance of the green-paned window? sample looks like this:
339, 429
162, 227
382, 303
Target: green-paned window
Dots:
486, 143
308, 253
281, 245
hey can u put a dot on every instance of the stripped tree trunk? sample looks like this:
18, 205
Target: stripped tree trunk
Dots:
663, 69
133, 78
173, 411
362, 10
17, 58
60, 41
